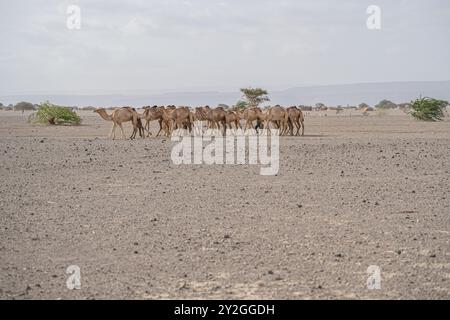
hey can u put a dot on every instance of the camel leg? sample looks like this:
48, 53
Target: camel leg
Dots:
224, 125
142, 130
267, 126
160, 129
147, 126
112, 131
121, 129
303, 128
291, 127
170, 127
246, 125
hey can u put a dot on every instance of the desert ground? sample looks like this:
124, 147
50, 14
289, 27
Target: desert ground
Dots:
353, 192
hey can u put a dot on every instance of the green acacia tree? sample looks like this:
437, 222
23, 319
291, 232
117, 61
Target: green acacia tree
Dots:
428, 109
51, 114
254, 96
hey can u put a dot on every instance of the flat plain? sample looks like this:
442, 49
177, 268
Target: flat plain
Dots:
353, 192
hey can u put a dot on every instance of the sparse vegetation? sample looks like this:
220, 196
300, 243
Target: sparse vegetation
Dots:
254, 96
321, 106
240, 105
54, 115
24, 106
428, 109
386, 104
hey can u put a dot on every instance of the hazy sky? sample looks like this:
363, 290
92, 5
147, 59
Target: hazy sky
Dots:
150, 46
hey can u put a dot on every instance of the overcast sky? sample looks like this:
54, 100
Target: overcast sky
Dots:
139, 46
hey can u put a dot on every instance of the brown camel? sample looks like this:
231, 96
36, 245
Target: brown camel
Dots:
233, 117
151, 114
296, 118
253, 114
119, 116
168, 117
201, 113
217, 117
176, 118
279, 116
184, 118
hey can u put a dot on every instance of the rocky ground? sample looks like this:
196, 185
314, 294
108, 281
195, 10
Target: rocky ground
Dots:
353, 192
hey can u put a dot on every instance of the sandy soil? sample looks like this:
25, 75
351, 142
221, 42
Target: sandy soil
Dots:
354, 192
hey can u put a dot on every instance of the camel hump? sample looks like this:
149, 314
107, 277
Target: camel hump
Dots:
130, 109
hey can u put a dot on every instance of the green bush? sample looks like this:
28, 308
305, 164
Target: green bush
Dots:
385, 104
54, 115
428, 109
241, 105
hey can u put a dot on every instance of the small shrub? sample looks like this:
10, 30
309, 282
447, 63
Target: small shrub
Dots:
54, 115
428, 109
386, 104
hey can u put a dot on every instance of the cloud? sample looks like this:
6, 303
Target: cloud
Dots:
177, 44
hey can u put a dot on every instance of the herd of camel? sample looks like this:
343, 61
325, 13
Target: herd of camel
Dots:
170, 118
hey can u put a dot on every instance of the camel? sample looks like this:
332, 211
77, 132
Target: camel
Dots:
253, 114
233, 117
296, 118
184, 118
119, 116
217, 117
151, 114
176, 118
279, 116
168, 117
201, 113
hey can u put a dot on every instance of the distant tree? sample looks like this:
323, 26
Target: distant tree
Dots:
254, 96
321, 106
363, 106
306, 108
23, 106
224, 106
386, 104
428, 109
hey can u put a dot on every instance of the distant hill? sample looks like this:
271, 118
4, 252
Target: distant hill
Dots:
371, 93
346, 94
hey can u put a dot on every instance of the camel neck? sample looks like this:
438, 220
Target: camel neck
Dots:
105, 115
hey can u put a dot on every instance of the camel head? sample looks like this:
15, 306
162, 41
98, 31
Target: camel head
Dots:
98, 110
